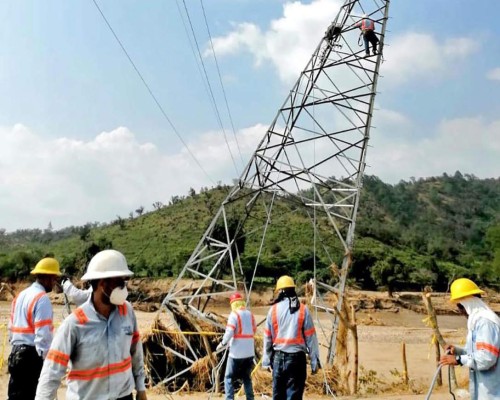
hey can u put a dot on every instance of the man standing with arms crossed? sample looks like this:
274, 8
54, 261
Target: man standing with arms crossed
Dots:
30, 330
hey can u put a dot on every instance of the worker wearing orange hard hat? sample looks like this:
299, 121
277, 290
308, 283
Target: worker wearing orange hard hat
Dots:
239, 335
481, 353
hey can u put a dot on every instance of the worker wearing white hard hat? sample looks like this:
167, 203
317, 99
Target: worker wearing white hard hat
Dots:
98, 345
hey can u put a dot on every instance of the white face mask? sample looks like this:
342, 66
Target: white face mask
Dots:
118, 296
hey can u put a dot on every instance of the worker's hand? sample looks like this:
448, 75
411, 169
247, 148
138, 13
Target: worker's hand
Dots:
449, 349
448, 360
141, 395
65, 278
219, 346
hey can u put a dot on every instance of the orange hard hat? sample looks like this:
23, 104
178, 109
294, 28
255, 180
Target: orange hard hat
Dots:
234, 297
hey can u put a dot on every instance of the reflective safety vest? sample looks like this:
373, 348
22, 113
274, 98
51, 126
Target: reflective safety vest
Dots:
289, 333
240, 332
482, 355
367, 25
102, 357
31, 319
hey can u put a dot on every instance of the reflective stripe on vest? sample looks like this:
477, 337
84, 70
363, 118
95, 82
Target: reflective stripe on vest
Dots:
58, 357
122, 309
239, 333
30, 329
80, 316
488, 347
367, 25
299, 337
100, 372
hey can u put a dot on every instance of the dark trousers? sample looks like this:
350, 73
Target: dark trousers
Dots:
238, 368
25, 366
370, 37
289, 375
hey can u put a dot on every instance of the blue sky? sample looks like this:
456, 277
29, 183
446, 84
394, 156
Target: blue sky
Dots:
84, 141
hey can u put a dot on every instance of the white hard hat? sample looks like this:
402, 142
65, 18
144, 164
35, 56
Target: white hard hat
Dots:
107, 264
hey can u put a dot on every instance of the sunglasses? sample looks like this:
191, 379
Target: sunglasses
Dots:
119, 282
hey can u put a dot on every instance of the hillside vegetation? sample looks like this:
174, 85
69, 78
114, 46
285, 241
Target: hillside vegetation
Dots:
408, 235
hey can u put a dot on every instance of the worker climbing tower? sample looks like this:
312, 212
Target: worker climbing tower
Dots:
310, 162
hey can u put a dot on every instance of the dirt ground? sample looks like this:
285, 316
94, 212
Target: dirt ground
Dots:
382, 329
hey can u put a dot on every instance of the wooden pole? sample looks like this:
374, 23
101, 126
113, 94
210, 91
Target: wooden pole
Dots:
405, 364
426, 297
354, 330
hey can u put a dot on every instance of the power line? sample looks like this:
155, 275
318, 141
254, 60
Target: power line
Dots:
210, 87
220, 80
151, 93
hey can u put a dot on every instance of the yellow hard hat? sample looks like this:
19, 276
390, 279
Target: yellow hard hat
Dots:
463, 287
284, 282
48, 266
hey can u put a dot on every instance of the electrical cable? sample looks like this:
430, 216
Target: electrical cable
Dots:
217, 113
220, 80
148, 88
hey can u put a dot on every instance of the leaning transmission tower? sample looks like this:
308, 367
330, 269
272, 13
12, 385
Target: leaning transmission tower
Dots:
310, 163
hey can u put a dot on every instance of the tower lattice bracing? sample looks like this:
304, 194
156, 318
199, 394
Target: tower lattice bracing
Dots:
310, 162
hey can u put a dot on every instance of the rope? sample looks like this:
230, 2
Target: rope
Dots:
4, 344
188, 333
216, 370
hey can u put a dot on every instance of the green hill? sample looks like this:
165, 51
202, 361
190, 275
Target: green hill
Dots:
408, 235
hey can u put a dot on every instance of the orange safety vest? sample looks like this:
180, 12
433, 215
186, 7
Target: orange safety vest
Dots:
299, 336
367, 25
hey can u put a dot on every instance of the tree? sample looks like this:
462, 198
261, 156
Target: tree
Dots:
157, 205
388, 273
140, 210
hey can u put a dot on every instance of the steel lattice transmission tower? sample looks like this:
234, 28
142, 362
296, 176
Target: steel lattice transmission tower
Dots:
309, 162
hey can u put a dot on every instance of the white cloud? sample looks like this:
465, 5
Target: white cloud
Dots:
419, 55
494, 74
70, 182
469, 145
290, 40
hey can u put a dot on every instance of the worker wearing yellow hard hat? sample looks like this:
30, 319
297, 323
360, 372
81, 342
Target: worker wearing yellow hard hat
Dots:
288, 337
31, 329
481, 353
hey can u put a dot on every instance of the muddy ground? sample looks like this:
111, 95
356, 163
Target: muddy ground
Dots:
383, 325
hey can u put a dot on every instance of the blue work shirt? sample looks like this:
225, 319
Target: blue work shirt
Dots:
103, 357
289, 333
31, 319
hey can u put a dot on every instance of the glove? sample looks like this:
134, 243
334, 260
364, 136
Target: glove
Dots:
219, 346
315, 365
64, 278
